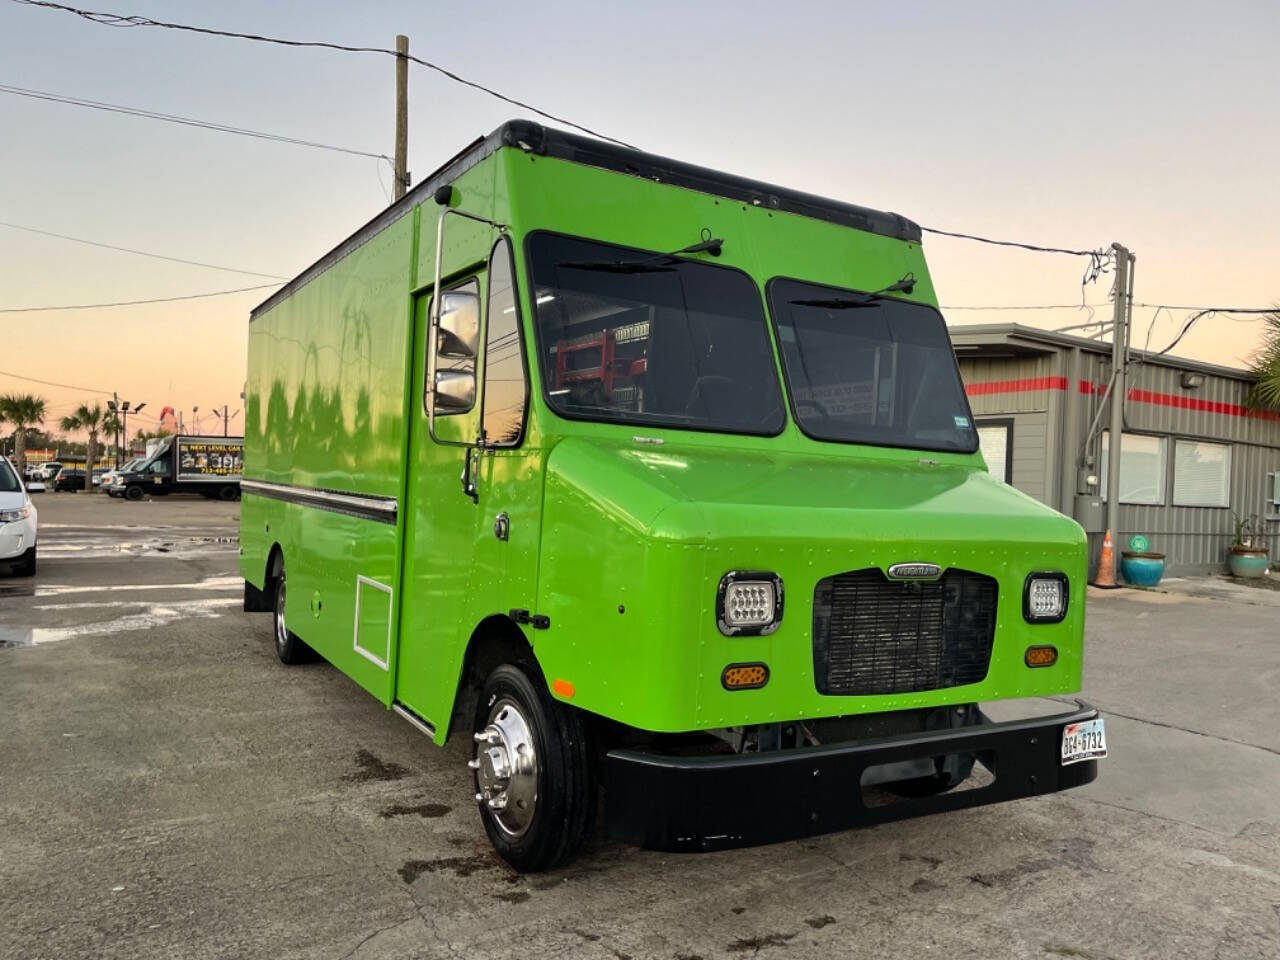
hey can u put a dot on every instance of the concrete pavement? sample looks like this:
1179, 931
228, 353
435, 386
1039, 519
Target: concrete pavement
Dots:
167, 789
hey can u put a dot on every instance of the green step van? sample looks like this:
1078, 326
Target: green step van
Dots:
660, 486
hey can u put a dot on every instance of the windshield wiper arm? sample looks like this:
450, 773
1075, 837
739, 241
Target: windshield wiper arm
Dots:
655, 264
866, 300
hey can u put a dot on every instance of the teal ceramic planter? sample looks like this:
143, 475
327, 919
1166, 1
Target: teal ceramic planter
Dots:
1249, 564
1142, 569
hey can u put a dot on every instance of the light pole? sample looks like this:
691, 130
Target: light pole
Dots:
122, 420
226, 418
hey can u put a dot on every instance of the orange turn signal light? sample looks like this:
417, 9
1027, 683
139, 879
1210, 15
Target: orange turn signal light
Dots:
1045, 656
744, 676
562, 688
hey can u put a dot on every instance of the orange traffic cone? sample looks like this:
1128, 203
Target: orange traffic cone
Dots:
1106, 577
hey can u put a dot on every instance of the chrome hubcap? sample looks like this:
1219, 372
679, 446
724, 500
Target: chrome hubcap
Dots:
282, 633
506, 766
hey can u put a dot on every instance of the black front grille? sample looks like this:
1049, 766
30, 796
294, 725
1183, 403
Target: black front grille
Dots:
875, 635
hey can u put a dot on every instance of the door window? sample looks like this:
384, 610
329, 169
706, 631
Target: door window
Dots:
506, 384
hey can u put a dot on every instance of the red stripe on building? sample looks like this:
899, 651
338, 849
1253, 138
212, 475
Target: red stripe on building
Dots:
1202, 406
1016, 386
1138, 396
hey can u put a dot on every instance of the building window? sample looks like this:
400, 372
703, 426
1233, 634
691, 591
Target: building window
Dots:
995, 440
1141, 468
1201, 474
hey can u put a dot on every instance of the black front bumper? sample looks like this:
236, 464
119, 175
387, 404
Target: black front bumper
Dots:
709, 803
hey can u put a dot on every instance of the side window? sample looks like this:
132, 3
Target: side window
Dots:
506, 384
456, 349
160, 467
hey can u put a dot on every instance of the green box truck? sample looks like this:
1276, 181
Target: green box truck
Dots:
657, 483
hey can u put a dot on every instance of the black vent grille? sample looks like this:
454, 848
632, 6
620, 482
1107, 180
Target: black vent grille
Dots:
873, 635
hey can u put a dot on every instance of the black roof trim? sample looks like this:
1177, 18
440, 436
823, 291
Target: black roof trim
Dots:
545, 141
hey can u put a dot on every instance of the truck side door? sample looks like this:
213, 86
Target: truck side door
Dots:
509, 465
439, 525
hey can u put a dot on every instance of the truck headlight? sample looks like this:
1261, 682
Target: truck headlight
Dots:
749, 604
12, 516
1044, 598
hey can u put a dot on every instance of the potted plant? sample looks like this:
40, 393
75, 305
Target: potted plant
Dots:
1139, 565
1248, 557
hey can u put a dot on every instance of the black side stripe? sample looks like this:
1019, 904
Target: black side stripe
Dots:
363, 505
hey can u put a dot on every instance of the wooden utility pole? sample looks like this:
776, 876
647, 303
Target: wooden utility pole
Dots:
1119, 387
402, 115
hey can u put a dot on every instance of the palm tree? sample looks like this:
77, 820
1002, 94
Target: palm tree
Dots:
1266, 366
24, 411
89, 419
111, 428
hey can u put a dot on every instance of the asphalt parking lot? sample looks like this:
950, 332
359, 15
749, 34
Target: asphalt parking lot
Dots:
168, 789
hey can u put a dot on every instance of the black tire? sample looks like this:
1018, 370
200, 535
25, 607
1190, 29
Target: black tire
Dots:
227, 494
289, 648
564, 811
133, 493
26, 567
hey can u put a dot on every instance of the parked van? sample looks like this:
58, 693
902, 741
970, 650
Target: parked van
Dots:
648, 477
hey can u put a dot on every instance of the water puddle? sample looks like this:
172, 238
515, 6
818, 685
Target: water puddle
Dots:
208, 583
156, 615
84, 547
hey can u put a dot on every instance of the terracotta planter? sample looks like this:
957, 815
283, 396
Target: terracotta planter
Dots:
1247, 562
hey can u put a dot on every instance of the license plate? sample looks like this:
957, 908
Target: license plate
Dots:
1083, 741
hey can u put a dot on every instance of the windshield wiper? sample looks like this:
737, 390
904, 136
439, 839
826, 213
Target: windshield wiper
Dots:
904, 285
655, 264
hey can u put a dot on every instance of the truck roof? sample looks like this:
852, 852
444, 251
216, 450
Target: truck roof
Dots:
545, 141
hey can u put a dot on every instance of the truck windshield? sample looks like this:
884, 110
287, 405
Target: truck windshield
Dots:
636, 337
868, 369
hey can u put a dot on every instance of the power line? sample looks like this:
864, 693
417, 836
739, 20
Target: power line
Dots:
140, 253
1174, 306
1207, 312
122, 20
134, 303
1032, 306
1035, 248
185, 121
1100, 260
51, 383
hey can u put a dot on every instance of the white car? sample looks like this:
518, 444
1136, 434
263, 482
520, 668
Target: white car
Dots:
17, 523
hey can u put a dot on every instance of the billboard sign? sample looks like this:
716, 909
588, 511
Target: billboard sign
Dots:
210, 460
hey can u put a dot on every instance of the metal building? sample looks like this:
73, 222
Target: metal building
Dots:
1193, 456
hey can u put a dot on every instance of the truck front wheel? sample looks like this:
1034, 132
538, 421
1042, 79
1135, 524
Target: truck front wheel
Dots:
534, 771
133, 493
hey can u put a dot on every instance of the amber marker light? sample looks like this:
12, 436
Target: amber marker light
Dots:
744, 676
562, 688
1041, 656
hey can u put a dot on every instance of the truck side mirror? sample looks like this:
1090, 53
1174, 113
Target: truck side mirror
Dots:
459, 335
455, 391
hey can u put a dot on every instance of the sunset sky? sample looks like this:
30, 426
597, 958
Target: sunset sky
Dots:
1066, 124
